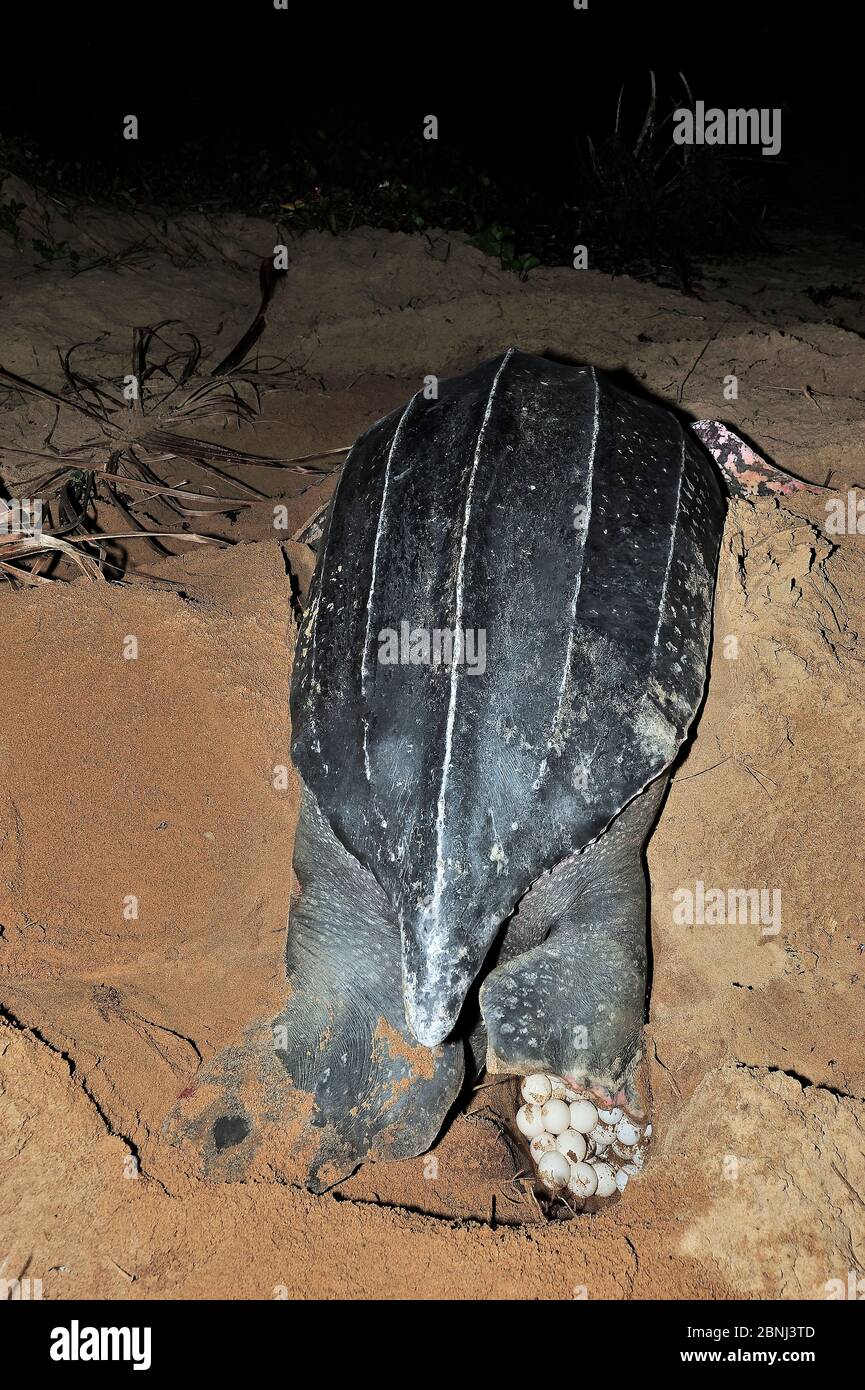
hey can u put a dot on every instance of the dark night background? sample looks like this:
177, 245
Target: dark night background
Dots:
241, 105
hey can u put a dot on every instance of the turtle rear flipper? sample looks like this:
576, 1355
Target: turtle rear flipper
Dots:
343, 1037
336, 1079
573, 1004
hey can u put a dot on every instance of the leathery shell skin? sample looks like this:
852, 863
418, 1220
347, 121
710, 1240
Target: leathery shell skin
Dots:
577, 526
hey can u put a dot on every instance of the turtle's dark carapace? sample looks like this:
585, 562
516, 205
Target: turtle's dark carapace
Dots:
572, 529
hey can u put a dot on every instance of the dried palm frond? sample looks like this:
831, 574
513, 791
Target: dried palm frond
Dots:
134, 431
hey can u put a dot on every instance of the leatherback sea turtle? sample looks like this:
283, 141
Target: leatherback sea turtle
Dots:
505, 645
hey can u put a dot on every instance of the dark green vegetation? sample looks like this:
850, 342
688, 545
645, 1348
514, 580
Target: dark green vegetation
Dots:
638, 202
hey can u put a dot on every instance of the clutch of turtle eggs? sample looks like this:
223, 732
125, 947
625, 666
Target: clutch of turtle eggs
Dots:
579, 1149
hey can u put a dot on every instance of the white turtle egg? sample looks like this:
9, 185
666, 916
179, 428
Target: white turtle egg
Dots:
584, 1116
530, 1121
536, 1089
572, 1144
583, 1181
606, 1179
626, 1131
625, 1151
555, 1116
554, 1171
648, 1131
602, 1136
542, 1144
610, 1117
558, 1086
621, 1180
